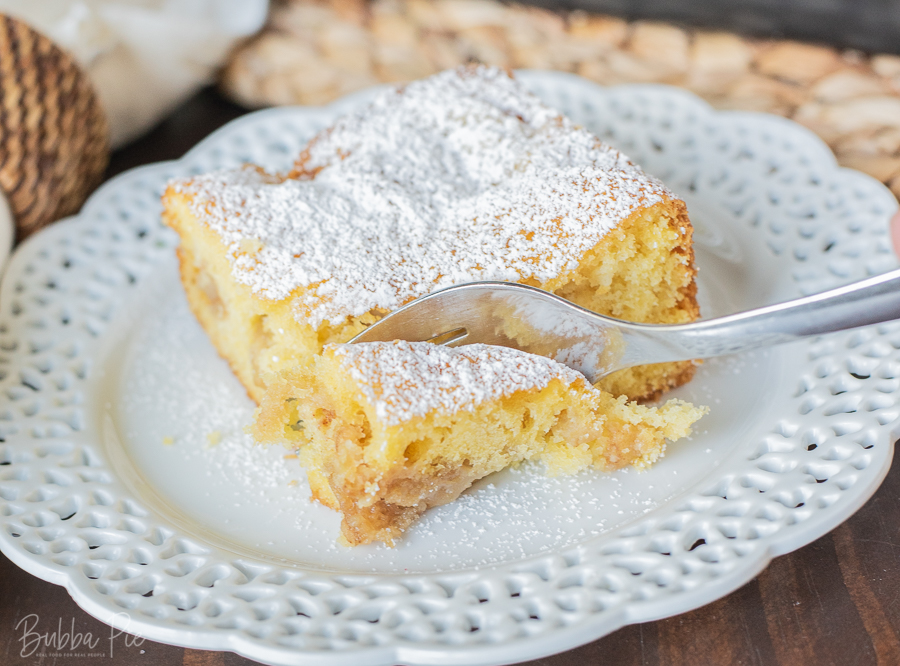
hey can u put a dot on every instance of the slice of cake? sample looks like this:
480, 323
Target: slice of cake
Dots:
387, 430
459, 177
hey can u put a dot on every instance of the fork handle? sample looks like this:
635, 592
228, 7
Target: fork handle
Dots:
870, 301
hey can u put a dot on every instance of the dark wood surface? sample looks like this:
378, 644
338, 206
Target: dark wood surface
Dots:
835, 601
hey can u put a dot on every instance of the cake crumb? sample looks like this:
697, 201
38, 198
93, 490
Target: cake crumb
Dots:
290, 456
213, 438
167, 441
250, 246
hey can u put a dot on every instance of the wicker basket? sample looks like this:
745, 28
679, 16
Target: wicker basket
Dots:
54, 141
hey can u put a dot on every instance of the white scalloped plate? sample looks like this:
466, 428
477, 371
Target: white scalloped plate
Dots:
217, 546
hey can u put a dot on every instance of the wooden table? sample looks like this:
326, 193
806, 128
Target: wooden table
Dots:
835, 601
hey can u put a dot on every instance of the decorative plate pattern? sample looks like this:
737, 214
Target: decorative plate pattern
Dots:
800, 441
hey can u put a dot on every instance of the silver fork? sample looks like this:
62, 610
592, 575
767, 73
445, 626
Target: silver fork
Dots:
526, 318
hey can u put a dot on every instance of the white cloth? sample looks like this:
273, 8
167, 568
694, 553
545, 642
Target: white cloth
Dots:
143, 56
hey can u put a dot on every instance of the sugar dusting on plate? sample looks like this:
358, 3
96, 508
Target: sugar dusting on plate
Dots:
174, 384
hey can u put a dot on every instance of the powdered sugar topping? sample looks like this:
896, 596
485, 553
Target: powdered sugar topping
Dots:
459, 177
408, 379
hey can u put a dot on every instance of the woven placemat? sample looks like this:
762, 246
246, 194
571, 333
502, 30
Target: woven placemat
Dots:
53, 135
312, 52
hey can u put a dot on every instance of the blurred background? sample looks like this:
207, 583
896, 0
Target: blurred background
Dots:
870, 25
831, 65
